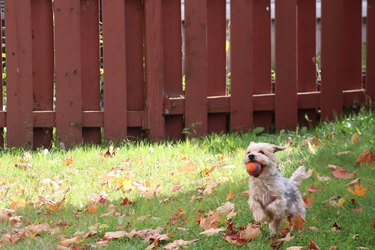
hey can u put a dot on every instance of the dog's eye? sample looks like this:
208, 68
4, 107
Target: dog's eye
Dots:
261, 152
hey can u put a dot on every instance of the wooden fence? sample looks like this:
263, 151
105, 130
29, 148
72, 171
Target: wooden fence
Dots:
53, 61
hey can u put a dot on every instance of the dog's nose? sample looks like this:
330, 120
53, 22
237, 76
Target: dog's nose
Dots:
251, 157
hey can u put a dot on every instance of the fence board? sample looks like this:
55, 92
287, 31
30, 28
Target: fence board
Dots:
370, 56
241, 111
154, 69
90, 64
19, 73
261, 56
1, 83
68, 72
352, 42
172, 63
43, 66
115, 82
216, 59
306, 14
134, 26
332, 58
286, 64
196, 67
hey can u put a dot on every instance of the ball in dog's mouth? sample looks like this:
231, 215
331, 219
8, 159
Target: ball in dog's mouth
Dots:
254, 168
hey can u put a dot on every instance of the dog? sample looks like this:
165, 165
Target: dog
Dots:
272, 197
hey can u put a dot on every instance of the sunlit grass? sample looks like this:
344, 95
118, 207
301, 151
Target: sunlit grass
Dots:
166, 164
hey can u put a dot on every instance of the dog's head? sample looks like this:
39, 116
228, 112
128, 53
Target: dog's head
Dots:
263, 153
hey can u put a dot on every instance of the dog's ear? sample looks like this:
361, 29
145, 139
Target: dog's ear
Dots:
251, 143
277, 148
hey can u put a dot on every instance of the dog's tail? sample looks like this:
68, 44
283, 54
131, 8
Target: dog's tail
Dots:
298, 176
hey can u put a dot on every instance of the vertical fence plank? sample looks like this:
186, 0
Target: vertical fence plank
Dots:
241, 102
261, 56
352, 42
332, 58
90, 64
68, 72
306, 12
172, 41
286, 108
1, 81
115, 98
216, 58
19, 73
43, 65
370, 51
154, 69
196, 67
134, 26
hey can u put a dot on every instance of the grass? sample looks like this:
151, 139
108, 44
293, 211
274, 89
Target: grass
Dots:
164, 164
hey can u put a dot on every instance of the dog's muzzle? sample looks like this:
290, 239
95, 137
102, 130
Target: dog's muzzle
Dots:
251, 157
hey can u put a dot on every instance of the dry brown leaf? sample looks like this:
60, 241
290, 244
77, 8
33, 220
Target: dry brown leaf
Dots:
230, 196
225, 208
210, 220
177, 244
298, 222
189, 167
110, 152
355, 138
343, 174
358, 190
341, 202
373, 223
296, 248
355, 181
68, 161
344, 153
357, 210
115, 235
313, 245
207, 171
68, 242
324, 178
251, 232
176, 187
277, 242
212, 231
366, 157
91, 209
313, 189
308, 200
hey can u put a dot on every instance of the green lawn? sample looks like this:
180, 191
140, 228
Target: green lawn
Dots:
168, 185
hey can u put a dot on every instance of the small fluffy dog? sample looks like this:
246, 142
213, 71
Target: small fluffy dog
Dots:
272, 196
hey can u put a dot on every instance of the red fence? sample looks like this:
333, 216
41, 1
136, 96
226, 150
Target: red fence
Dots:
53, 61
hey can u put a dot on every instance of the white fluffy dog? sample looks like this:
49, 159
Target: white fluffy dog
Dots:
272, 196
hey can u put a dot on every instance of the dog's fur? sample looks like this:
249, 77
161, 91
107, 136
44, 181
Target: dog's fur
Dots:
272, 197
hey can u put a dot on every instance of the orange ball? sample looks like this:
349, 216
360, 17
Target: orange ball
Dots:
254, 168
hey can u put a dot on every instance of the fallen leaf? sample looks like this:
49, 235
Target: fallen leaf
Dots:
344, 153
126, 201
230, 196
313, 245
98, 198
355, 181
68, 242
308, 200
251, 232
212, 231
176, 217
333, 201
277, 242
225, 208
17, 204
91, 209
341, 202
68, 161
313, 189
313, 229
115, 235
298, 222
342, 173
335, 227
355, 138
296, 248
358, 190
179, 243
324, 178
189, 167
176, 187
207, 171
357, 210
373, 223
366, 157
110, 152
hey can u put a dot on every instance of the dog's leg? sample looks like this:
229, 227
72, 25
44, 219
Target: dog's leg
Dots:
274, 226
256, 209
276, 209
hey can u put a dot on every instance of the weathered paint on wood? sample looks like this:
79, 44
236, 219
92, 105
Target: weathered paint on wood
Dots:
43, 66
154, 69
196, 67
172, 40
19, 73
216, 59
332, 58
370, 56
286, 64
241, 102
68, 72
90, 64
115, 82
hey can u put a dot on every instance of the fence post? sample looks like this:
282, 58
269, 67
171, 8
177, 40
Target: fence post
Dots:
115, 82
19, 73
154, 69
43, 66
241, 101
196, 67
90, 64
68, 72
370, 56
286, 108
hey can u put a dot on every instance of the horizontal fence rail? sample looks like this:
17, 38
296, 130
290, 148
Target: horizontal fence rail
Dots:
93, 71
